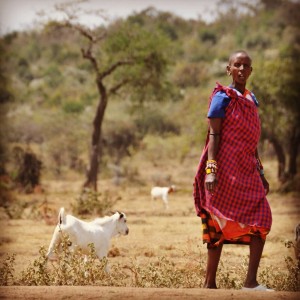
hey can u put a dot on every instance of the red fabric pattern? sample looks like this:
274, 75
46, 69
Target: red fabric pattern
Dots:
240, 194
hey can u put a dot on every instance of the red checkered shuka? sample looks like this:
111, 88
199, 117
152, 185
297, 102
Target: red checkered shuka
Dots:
240, 194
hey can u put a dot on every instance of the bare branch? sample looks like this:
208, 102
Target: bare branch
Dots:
73, 10
70, 13
114, 89
87, 32
115, 66
88, 55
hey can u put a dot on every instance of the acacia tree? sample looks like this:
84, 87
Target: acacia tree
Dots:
278, 85
123, 56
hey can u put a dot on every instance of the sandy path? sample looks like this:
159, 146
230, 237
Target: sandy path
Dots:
88, 292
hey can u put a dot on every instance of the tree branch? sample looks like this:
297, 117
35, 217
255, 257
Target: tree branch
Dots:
115, 66
115, 88
88, 55
85, 32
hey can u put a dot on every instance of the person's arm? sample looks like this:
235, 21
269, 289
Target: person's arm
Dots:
213, 147
262, 173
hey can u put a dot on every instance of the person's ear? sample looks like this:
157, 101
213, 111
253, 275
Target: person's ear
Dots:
228, 70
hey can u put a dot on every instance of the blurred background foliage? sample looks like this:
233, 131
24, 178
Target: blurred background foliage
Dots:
48, 94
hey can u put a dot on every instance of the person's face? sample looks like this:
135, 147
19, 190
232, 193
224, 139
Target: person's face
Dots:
239, 68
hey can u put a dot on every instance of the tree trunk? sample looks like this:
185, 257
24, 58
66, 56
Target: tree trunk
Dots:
96, 151
280, 156
293, 151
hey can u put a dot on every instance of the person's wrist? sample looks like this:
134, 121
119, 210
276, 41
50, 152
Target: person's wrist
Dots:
211, 166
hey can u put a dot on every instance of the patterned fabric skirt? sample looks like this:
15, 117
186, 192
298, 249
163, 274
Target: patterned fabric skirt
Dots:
216, 231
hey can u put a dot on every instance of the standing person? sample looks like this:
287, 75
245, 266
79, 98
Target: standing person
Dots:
230, 188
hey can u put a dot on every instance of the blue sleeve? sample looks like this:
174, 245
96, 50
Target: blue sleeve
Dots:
254, 99
218, 105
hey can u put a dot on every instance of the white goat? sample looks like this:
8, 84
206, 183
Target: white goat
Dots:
162, 192
81, 233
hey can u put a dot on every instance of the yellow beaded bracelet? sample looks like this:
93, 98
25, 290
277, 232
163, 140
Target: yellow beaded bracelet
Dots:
209, 171
211, 161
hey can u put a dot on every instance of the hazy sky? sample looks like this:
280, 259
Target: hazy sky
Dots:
20, 14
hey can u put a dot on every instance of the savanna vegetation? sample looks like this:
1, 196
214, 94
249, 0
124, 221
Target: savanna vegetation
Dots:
121, 107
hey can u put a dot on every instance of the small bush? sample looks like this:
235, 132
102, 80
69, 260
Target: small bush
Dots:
37, 273
164, 273
71, 268
280, 279
15, 209
7, 270
91, 202
29, 169
232, 277
73, 107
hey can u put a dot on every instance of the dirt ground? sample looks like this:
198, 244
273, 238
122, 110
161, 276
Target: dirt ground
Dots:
110, 293
88, 292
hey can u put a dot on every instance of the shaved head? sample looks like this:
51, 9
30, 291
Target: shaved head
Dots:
236, 53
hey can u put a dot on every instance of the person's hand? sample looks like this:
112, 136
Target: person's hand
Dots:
211, 182
265, 184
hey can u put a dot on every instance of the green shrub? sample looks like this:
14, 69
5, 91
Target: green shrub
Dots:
54, 76
73, 107
91, 202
